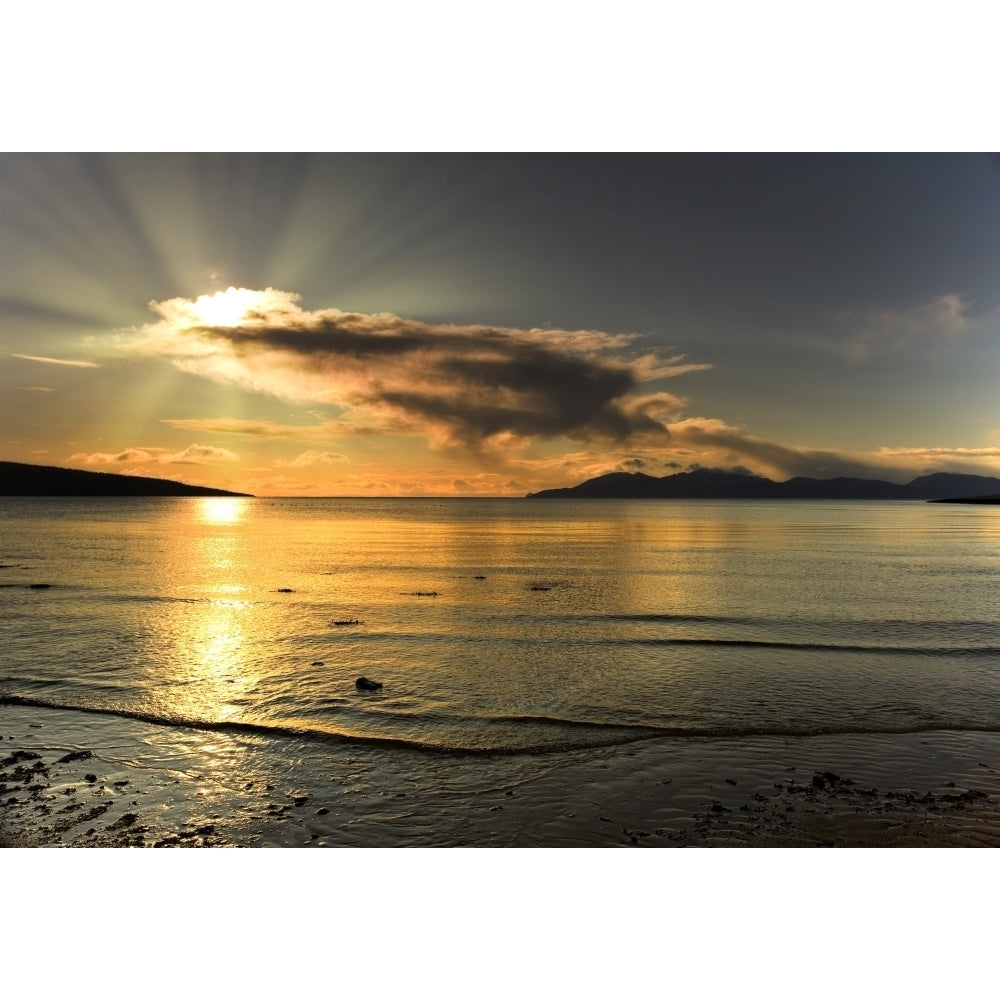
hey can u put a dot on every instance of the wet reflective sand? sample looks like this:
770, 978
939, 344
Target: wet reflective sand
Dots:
84, 781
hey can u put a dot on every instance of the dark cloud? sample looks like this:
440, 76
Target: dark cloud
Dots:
473, 385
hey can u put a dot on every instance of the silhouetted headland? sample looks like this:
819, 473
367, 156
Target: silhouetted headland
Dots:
714, 484
18, 479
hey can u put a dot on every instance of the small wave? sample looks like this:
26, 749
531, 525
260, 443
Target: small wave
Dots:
152, 599
672, 618
32, 681
884, 628
98, 596
908, 623
278, 730
605, 735
832, 647
546, 720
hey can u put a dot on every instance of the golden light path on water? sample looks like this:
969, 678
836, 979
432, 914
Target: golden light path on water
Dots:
208, 642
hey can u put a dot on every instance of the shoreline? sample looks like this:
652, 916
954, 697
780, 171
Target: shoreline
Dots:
72, 780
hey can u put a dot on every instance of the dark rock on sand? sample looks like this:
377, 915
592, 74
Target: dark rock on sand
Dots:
971, 795
39, 586
363, 684
90, 777
20, 775
75, 755
827, 779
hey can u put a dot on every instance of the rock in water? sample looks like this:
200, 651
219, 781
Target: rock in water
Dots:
363, 684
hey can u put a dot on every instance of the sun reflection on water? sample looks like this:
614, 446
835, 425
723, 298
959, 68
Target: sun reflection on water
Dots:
208, 637
207, 652
221, 510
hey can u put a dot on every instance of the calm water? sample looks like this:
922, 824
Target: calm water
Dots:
509, 626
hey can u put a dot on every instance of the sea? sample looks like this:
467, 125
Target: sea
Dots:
509, 636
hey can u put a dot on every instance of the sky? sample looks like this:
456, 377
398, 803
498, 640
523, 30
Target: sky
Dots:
336, 324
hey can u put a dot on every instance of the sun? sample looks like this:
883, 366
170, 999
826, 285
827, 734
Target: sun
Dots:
235, 307
229, 308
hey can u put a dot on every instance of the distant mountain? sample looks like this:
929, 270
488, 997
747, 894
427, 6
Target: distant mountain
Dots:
18, 479
712, 484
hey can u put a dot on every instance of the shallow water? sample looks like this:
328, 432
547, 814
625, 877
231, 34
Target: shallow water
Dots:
505, 626
525, 647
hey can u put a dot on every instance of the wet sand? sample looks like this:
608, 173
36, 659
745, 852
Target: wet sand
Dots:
116, 783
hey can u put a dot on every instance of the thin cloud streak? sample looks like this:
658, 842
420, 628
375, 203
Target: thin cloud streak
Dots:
270, 429
56, 361
317, 458
194, 454
863, 334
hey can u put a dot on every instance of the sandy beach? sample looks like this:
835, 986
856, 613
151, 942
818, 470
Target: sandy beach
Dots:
74, 779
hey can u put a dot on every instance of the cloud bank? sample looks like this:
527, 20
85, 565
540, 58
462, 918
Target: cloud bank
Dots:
193, 454
471, 386
710, 443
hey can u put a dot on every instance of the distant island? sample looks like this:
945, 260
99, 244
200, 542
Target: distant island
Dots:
995, 498
18, 479
714, 484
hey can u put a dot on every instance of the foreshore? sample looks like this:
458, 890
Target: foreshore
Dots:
72, 779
